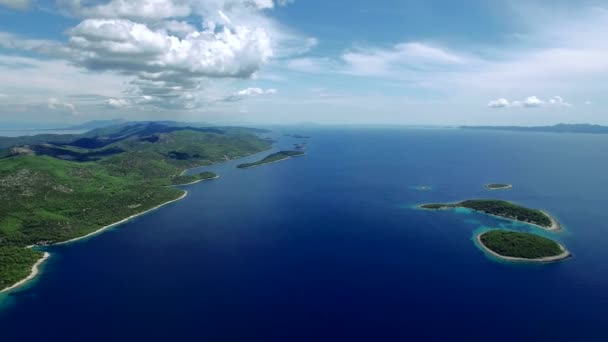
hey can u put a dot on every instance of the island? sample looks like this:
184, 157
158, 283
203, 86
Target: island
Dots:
60, 188
273, 158
519, 246
498, 186
502, 209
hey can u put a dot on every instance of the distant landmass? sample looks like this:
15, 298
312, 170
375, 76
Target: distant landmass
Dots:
95, 124
559, 128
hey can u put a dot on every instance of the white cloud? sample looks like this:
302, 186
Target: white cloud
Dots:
16, 4
532, 101
403, 57
169, 56
498, 103
249, 92
132, 9
529, 102
117, 103
255, 91
558, 101
58, 105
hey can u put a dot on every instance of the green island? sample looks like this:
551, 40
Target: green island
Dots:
57, 188
502, 209
498, 186
519, 246
275, 157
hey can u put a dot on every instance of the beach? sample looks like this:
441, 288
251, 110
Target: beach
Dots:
121, 221
32, 275
197, 181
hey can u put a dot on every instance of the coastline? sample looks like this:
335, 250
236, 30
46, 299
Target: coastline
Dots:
197, 181
32, 275
35, 268
564, 255
260, 164
274, 161
121, 221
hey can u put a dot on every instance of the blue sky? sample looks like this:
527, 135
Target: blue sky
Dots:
281, 61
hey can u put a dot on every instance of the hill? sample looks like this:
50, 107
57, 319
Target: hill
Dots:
58, 188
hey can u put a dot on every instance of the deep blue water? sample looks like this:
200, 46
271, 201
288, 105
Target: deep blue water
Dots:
328, 247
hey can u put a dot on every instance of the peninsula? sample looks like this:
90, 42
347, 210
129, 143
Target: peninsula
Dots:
518, 246
275, 157
502, 209
58, 188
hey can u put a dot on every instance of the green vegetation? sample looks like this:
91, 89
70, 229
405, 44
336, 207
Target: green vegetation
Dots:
519, 245
498, 186
187, 179
62, 188
500, 208
282, 155
508, 210
16, 264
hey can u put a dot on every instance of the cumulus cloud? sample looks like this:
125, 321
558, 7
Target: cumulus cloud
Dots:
558, 101
168, 55
532, 101
58, 105
132, 9
16, 4
249, 92
498, 103
117, 103
529, 102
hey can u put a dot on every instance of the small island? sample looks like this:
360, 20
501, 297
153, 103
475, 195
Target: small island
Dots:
191, 179
275, 157
498, 186
518, 246
503, 209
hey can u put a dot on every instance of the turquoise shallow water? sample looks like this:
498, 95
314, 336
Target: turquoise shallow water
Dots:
330, 247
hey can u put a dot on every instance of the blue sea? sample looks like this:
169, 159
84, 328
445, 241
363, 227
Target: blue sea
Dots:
330, 247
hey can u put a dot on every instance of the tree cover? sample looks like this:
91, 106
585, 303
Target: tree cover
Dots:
282, 155
498, 208
16, 264
47, 198
519, 245
508, 210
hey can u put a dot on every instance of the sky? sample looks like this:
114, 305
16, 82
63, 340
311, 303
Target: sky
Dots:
395, 62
